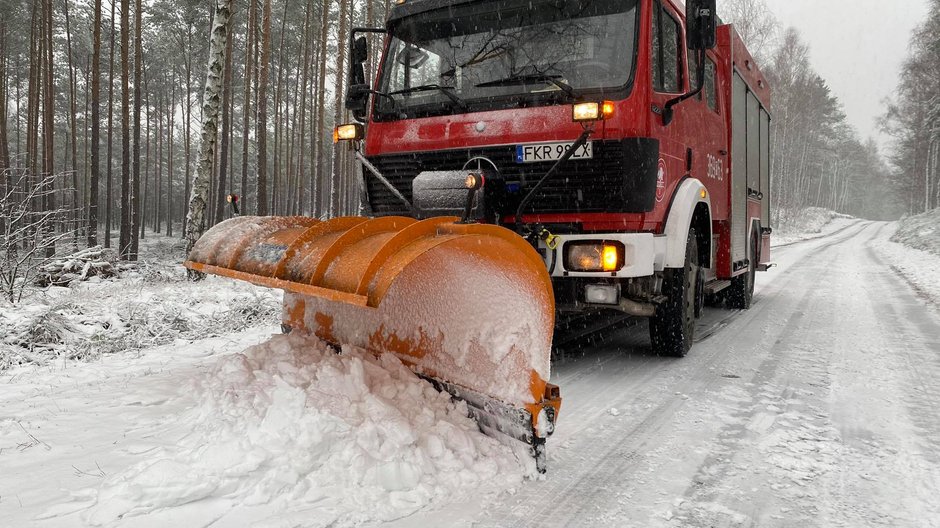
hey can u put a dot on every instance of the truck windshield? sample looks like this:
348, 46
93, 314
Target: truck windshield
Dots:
490, 54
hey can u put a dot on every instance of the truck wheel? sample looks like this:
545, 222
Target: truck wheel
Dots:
741, 291
673, 326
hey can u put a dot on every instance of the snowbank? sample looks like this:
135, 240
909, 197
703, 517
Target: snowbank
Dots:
920, 232
914, 252
100, 317
811, 222
291, 430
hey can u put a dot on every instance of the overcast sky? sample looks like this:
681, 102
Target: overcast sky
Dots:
858, 47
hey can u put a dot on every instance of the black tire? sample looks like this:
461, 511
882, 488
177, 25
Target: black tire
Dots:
700, 293
741, 291
672, 329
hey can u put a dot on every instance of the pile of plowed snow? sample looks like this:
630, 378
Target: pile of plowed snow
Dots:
920, 232
914, 252
810, 222
292, 433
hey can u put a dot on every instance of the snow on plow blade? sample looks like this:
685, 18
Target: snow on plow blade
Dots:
467, 306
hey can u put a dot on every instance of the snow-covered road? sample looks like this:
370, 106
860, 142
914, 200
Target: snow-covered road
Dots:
818, 407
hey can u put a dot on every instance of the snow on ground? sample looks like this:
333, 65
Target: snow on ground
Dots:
808, 223
920, 232
151, 306
792, 414
914, 252
815, 408
135, 402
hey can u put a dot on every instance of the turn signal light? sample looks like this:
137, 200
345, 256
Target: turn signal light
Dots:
592, 111
610, 258
350, 132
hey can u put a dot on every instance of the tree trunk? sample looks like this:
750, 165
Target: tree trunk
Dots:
109, 199
170, 135
261, 124
73, 123
158, 181
338, 179
318, 150
49, 124
246, 103
6, 178
33, 92
226, 128
187, 125
95, 127
195, 220
146, 196
124, 243
4, 144
138, 79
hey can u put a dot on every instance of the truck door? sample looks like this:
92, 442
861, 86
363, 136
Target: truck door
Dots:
669, 79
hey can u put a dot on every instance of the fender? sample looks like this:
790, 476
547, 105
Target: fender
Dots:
685, 199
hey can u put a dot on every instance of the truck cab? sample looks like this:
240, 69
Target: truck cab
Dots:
626, 141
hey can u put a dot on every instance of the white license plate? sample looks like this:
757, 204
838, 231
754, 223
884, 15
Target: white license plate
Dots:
551, 152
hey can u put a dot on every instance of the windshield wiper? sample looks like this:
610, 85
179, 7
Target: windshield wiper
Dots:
526, 78
446, 90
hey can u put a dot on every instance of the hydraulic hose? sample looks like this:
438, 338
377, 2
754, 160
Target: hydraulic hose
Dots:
580, 142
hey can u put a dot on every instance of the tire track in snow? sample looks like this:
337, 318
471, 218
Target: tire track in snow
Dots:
623, 470
771, 393
605, 459
831, 462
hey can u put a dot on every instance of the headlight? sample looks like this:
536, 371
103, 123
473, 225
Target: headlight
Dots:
594, 256
592, 111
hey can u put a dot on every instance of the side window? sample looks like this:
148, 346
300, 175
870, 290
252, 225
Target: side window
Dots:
709, 91
711, 88
667, 63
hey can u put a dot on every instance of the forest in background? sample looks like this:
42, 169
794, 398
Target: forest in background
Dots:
818, 159
100, 112
137, 70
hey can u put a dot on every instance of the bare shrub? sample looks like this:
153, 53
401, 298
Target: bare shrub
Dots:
28, 230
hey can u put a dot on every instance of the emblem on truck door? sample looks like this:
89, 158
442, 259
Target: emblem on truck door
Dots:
661, 181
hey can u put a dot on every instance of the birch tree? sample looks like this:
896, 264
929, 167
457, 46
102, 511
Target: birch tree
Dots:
211, 102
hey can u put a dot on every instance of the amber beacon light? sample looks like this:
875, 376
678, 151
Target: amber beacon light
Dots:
349, 132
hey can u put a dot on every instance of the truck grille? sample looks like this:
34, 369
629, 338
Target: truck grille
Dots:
579, 186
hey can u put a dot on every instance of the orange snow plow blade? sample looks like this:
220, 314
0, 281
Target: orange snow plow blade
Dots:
467, 306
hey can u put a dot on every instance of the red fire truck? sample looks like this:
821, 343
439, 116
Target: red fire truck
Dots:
627, 141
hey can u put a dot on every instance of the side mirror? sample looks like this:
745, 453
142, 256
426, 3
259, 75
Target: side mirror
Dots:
357, 95
701, 24
360, 51
358, 91
357, 98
